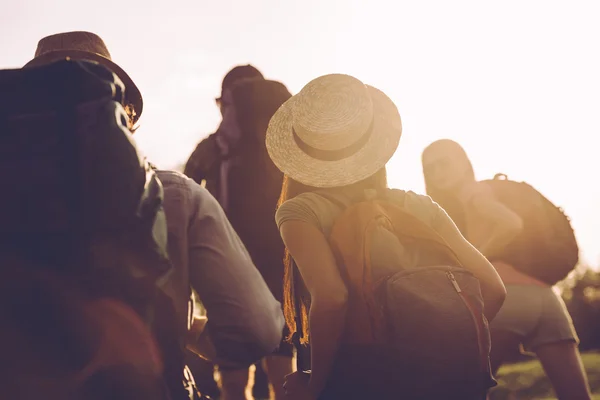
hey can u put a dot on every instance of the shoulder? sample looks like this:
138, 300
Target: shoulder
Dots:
207, 143
478, 191
169, 177
412, 199
305, 207
178, 186
206, 153
481, 197
421, 206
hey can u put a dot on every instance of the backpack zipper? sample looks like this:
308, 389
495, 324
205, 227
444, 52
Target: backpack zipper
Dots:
478, 328
453, 281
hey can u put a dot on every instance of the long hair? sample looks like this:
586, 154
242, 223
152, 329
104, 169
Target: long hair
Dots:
254, 185
255, 101
448, 199
293, 291
131, 121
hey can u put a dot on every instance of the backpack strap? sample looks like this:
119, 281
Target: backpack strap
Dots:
350, 241
299, 334
406, 224
365, 195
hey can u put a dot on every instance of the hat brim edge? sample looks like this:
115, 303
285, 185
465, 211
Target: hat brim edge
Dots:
296, 164
132, 92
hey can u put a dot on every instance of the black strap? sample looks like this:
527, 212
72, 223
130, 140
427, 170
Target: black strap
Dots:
299, 334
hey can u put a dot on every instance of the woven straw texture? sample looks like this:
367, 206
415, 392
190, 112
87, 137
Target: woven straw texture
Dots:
331, 113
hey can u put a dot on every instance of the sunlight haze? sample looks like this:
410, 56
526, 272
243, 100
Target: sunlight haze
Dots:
517, 83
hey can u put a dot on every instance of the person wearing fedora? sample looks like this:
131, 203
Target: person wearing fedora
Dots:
244, 319
87, 46
332, 141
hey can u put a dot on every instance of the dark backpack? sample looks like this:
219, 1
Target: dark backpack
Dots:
417, 331
82, 211
547, 248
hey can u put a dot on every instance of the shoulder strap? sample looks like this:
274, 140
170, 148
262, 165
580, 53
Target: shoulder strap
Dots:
366, 195
350, 241
299, 334
332, 198
406, 224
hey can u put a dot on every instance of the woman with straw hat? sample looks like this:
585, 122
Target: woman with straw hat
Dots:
332, 141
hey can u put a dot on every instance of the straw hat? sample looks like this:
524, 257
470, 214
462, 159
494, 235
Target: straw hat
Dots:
85, 46
335, 132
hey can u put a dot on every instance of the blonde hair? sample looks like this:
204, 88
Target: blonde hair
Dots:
130, 110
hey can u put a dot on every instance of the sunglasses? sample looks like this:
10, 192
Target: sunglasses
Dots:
220, 103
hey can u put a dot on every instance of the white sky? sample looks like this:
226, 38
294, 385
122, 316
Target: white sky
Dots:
516, 82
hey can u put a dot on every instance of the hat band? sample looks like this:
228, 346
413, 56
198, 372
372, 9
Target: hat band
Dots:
334, 155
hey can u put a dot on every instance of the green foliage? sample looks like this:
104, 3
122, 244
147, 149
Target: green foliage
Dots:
582, 298
527, 380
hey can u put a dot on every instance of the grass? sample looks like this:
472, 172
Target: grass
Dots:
526, 380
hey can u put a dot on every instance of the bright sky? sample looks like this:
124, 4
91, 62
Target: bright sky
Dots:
516, 82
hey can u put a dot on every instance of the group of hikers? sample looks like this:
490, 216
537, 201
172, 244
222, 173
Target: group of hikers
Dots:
280, 248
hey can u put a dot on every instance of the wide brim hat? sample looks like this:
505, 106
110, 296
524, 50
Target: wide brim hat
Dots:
335, 132
85, 46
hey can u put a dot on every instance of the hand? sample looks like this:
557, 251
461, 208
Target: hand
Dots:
198, 325
296, 387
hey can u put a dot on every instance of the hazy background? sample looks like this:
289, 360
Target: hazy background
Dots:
516, 82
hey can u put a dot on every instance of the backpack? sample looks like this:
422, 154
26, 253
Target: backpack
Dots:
82, 215
59, 341
421, 328
547, 248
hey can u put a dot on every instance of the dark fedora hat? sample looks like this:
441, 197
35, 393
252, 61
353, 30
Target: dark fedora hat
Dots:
85, 46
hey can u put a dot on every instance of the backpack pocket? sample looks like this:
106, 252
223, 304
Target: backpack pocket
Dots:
435, 322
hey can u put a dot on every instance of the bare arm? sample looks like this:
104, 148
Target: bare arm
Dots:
507, 224
329, 295
492, 288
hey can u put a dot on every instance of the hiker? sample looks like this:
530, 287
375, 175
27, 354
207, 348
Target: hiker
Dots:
204, 163
247, 185
245, 320
533, 315
250, 190
378, 327
204, 166
83, 249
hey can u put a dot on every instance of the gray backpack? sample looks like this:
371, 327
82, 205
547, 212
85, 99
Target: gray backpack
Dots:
416, 331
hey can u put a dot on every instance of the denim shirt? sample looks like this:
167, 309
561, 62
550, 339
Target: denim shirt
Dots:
245, 322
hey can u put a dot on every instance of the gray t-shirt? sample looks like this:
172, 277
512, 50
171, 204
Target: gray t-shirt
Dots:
321, 212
